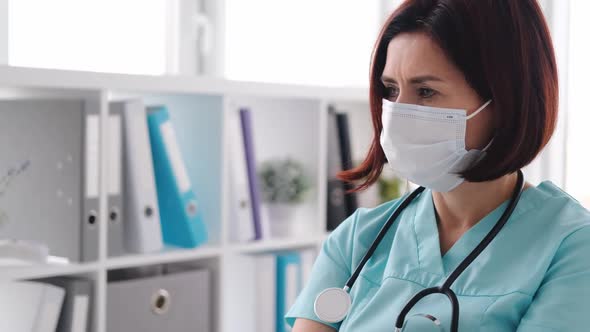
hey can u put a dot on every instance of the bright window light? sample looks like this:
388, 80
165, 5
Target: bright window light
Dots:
93, 35
326, 42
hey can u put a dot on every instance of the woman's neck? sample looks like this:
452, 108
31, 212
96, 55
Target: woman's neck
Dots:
464, 206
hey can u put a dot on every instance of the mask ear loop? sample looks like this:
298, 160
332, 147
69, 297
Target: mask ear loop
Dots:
474, 114
479, 110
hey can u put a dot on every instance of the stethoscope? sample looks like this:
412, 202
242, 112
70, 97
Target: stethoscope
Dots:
333, 304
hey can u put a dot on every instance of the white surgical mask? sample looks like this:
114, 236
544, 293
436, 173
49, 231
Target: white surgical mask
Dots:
426, 145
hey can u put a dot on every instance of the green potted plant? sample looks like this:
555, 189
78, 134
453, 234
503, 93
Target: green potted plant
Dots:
390, 186
284, 184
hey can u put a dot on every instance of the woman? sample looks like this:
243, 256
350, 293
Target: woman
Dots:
494, 60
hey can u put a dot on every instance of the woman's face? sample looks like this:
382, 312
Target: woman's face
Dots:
417, 71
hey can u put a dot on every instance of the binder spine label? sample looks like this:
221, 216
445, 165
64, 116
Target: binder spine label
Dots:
80, 318
114, 155
175, 157
92, 155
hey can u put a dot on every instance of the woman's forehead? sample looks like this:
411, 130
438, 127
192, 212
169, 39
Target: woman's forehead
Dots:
416, 54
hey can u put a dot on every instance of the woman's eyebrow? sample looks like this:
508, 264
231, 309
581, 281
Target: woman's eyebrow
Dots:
414, 80
425, 78
386, 79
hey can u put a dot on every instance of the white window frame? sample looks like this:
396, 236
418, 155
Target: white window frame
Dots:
551, 162
3, 32
194, 37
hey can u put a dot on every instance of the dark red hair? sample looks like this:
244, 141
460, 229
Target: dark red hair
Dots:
504, 50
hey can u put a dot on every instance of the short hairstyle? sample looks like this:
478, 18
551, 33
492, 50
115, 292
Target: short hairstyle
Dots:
504, 50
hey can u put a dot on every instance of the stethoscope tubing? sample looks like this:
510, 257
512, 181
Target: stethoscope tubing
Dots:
381, 235
446, 287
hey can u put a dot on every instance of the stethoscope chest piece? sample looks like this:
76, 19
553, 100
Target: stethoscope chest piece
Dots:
332, 305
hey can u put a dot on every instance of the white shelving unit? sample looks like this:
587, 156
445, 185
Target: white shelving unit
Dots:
288, 119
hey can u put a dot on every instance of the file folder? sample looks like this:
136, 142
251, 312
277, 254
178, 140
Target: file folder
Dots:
288, 286
142, 230
259, 216
181, 218
337, 208
242, 228
91, 179
266, 293
75, 311
41, 157
116, 207
27, 306
346, 158
340, 203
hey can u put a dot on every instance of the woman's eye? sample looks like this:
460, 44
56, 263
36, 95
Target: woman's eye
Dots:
426, 92
391, 92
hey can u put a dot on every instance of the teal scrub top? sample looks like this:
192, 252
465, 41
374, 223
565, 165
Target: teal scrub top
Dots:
533, 277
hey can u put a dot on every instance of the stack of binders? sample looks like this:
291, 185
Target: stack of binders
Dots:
161, 207
50, 178
141, 223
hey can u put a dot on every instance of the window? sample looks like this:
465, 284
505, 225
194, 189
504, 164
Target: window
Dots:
326, 42
95, 35
578, 118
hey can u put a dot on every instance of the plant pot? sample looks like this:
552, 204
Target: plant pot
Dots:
280, 217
